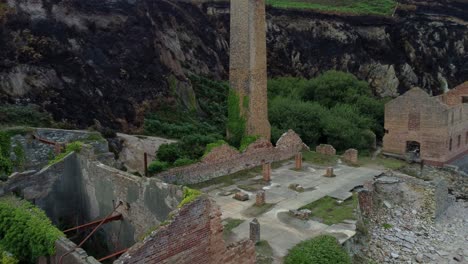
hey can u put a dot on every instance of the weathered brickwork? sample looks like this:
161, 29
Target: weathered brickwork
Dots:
298, 161
433, 129
248, 64
62, 246
194, 236
351, 156
326, 149
224, 160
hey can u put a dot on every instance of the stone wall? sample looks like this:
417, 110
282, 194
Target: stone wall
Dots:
193, 236
134, 149
225, 160
326, 149
80, 189
62, 246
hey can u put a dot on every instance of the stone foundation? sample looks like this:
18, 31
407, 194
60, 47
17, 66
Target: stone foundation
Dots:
351, 156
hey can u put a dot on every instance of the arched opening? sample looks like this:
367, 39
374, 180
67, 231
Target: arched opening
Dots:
413, 150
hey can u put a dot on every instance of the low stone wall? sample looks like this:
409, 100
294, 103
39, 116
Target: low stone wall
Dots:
326, 150
194, 236
225, 160
63, 246
351, 156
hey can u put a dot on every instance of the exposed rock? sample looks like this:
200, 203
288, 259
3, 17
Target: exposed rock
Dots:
241, 196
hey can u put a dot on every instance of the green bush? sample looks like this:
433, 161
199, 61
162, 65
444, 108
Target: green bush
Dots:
170, 152
303, 117
320, 250
25, 230
288, 87
157, 167
7, 258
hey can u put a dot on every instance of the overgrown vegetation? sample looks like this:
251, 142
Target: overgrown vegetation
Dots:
189, 196
236, 121
25, 230
29, 115
323, 249
334, 108
71, 147
386, 162
330, 212
359, 7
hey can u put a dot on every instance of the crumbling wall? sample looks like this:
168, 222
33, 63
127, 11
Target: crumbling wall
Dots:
225, 160
193, 236
395, 190
326, 149
146, 201
62, 246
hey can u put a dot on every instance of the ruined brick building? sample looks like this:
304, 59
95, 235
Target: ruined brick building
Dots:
432, 129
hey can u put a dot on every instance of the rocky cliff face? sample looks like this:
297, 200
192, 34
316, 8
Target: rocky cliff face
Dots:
113, 60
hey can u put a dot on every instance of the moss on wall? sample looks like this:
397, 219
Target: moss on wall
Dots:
236, 120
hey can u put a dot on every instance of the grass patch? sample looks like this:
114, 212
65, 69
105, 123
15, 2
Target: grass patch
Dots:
323, 249
230, 224
330, 212
228, 180
248, 188
72, 147
386, 162
255, 210
318, 158
387, 226
189, 196
358, 7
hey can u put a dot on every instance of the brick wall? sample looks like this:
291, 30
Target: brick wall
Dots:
225, 160
194, 236
416, 116
326, 149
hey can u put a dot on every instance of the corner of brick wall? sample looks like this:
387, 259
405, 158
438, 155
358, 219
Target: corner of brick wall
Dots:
194, 236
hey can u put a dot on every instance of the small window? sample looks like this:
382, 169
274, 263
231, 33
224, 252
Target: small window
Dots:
464, 99
458, 141
450, 145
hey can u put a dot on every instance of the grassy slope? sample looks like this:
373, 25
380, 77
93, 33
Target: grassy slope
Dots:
361, 7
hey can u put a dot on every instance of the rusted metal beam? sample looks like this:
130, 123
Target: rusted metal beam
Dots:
118, 253
45, 141
95, 223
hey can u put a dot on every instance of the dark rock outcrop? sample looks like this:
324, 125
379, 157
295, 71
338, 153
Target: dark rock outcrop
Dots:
113, 60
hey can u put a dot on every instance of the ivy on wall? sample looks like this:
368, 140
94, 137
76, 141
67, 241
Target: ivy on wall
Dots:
236, 121
25, 230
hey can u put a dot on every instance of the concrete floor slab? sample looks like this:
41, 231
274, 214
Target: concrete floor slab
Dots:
281, 230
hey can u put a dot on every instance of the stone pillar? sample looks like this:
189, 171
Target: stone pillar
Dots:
248, 64
260, 199
255, 231
299, 161
365, 202
267, 172
329, 172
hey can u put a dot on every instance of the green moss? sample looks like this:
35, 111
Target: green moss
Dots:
330, 212
256, 210
71, 147
19, 154
236, 121
189, 196
213, 145
95, 136
387, 226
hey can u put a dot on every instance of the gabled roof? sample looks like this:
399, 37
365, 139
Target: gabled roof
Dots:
418, 93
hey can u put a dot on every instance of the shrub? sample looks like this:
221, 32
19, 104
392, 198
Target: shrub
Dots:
157, 166
7, 258
29, 115
303, 117
320, 250
71, 147
236, 122
169, 152
25, 230
286, 87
